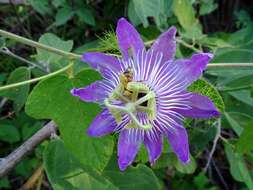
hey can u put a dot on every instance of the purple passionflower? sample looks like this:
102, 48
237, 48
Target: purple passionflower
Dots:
144, 95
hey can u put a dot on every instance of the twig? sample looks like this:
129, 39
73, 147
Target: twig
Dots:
32, 43
6, 51
9, 162
216, 138
32, 181
36, 79
220, 175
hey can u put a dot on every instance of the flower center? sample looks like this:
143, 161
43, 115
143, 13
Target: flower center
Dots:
134, 97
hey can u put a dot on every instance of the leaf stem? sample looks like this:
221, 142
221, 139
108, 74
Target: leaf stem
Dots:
36, 79
39, 45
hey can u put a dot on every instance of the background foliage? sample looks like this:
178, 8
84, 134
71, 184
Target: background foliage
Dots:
75, 161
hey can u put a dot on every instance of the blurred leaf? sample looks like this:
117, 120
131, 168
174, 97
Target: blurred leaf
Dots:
237, 121
201, 181
207, 7
239, 82
65, 172
238, 168
18, 94
85, 15
233, 55
26, 167
243, 95
2, 42
245, 143
28, 130
52, 41
201, 136
132, 15
4, 183
9, 133
142, 155
152, 8
58, 3
184, 12
203, 87
185, 168
42, 7
139, 177
63, 15
163, 161
51, 99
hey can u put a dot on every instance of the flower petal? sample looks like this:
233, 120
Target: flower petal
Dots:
104, 123
201, 107
191, 69
95, 92
154, 148
105, 64
128, 146
166, 44
178, 140
129, 39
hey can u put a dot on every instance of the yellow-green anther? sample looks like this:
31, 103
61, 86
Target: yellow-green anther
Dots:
137, 87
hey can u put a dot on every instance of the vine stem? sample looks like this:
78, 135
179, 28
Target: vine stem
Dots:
77, 56
36, 79
38, 45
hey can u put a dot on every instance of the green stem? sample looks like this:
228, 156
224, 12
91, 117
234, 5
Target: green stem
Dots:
39, 45
77, 56
36, 79
232, 65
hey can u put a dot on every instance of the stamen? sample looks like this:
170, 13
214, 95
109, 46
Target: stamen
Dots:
129, 109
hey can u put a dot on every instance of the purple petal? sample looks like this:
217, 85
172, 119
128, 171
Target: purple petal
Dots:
95, 92
178, 140
201, 107
129, 39
128, 146
154, 148
104, 123
191, 69
105, 64
166, 44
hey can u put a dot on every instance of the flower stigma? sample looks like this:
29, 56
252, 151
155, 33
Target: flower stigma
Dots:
135, 97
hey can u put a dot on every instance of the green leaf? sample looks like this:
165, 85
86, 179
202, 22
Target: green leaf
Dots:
207, 7
245, 142
144, 9
63, 15
9, 133
132, 15
51, 99
58, 3
237, 83
52, 41
18, 94
86, 16
237, 121
238, 168
65, 172
2, 42
243, 96
203, 87
4, 183
184, 13
185, 168
139, 177
42, 7
201, 181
